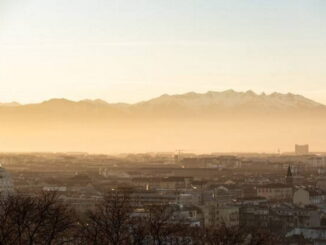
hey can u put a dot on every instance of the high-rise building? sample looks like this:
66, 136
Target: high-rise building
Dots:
301, 149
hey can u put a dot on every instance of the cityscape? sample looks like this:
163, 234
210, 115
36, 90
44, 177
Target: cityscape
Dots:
162, 122
281, 197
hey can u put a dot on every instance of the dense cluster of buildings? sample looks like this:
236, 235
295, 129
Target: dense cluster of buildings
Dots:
284, 194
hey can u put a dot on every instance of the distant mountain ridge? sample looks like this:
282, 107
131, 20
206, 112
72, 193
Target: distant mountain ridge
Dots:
196, 104
227, 98
214, 121
232, 99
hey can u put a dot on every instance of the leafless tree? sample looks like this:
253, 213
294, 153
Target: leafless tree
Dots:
139, 232
8, 231
218, 235
224, 235
199, 235
109, 224
42, 219
114, 223
164, 228
263, 237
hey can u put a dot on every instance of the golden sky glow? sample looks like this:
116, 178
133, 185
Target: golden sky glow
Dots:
134, 50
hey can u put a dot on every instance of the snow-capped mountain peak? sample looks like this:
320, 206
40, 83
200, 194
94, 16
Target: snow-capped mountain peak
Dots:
233, 99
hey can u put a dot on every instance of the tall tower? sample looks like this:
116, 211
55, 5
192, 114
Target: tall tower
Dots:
289, 176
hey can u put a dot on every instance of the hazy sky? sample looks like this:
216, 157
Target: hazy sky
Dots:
130, 50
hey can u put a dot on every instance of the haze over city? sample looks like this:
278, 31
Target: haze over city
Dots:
163, 122
226, 121
65, 65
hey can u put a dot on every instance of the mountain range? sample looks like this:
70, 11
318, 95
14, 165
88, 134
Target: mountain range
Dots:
212, 121
209, 104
